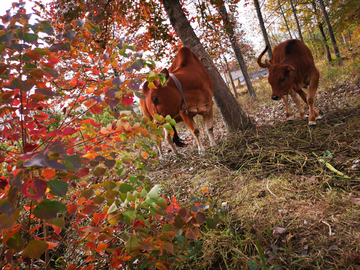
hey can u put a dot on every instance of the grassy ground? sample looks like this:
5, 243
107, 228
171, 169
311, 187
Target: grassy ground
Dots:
286, 195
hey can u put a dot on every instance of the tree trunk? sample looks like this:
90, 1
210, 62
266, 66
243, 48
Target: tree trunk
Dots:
331, 33
296, 20
283, 15
230, 30
327, 49
232, 113
263, 29
231, 79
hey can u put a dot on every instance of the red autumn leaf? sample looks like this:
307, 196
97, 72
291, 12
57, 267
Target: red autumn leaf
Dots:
89, 209
34, 189
96, 109
127, 101
41, 116
72, 209
68, 131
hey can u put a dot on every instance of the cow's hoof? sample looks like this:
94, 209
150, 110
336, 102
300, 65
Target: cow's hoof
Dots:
318, 119
312, 126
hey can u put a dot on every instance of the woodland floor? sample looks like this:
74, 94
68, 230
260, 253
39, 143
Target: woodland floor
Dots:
295, 192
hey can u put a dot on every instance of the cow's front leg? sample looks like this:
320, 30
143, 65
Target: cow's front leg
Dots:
189, 121
310, 97
208, 121
287, 109
170, 142
297, 101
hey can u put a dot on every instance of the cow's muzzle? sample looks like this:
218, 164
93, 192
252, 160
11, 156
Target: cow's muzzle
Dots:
275, 97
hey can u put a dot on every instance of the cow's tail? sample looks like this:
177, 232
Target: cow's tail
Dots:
267, 63
176, 139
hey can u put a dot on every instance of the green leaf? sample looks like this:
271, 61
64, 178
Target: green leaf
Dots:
48, 209
124, 188
168, 127
109, 185
162, 203
31, 38
35, 249
112, 208
154, 192
99, 171
98, 200
130, 197
29, 67
133, 245
58, 187
173, 122
6, 37
143, 193
211, 223
16, 242
129, 215
58, 222
87, 194
46, 27
96, 28
75, 160
133, 179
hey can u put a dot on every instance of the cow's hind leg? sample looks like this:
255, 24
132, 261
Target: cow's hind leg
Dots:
208, 121
310, 97
189, 121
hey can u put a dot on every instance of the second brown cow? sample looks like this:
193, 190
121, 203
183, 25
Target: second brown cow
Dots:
292, 68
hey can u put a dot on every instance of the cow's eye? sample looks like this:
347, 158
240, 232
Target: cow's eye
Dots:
283, 79
156, 100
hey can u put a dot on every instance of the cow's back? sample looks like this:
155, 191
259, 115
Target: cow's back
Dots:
194, 77
292, 51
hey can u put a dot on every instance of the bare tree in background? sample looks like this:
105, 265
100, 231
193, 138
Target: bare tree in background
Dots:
262, 26
331, 33
229, 26
296, 20
283, 15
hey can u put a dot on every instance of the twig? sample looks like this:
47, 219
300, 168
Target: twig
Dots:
267, 186
330, 234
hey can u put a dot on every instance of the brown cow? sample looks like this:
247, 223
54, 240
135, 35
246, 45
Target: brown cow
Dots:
292, 68
188, 91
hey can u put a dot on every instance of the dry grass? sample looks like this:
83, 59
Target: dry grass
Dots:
272, 176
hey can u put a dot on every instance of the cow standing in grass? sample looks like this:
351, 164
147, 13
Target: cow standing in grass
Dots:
187, 91
292, 68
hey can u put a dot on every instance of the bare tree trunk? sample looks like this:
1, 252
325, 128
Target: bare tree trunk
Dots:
233, 115
230, 30
331, 33
231, 79
296, 20
326, 46
313, 46
283, 15
263, 29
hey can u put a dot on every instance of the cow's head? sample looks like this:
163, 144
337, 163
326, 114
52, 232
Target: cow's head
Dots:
157, 99
281, 79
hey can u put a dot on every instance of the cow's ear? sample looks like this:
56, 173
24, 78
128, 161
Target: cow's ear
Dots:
289, 68
165, 72
145, 88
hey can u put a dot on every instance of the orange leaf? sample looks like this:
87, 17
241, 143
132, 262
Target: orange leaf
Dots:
73, 82
51, 245
41, 116
48, 173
